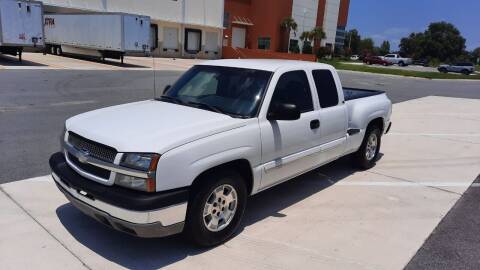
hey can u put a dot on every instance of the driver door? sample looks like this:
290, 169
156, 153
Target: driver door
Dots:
286, 145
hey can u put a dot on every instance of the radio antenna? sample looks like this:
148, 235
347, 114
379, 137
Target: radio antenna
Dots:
154, 77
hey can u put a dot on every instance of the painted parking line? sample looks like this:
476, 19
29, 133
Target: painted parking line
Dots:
68, 103
407, 184
436, 134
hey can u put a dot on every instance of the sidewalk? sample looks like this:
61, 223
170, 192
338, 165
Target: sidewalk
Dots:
332, 218
54, 62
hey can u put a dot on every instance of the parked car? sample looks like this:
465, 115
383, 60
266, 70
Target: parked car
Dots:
354, 57
227, 129
397, 59
464, 68
421, 62
375, 60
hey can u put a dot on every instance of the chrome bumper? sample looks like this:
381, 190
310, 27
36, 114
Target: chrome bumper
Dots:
148, 224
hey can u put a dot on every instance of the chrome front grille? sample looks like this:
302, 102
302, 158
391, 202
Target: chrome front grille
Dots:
94, 149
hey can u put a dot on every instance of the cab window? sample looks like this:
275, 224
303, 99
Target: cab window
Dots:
326, 88
293, 87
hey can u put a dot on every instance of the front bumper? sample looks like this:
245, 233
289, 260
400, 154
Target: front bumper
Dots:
137, 213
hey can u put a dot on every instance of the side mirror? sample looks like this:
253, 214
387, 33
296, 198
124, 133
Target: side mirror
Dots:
283, 111
166, 89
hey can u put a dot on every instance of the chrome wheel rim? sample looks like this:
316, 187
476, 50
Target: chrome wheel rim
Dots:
371, 149
220, 208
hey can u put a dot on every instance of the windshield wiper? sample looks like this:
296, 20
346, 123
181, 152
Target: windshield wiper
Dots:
171, 99
198, 105
207, 106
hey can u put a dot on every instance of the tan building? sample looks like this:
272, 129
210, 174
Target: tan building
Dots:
180, 28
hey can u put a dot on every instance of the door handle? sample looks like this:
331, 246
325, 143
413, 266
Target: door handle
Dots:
314, 124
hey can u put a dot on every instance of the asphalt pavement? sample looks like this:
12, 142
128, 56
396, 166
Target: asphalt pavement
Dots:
34, 103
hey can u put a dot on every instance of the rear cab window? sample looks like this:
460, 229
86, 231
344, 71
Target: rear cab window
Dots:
326, 88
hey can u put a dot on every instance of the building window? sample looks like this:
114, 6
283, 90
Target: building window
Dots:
193, 40
226, 20
264, 43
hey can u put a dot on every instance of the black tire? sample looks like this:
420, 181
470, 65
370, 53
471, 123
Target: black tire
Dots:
443, 70
360, 159
195, 228
402, 64
465, 72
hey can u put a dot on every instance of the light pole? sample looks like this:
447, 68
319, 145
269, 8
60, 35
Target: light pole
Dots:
305, 12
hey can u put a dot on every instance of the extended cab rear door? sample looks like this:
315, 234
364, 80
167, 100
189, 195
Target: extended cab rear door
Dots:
333, 114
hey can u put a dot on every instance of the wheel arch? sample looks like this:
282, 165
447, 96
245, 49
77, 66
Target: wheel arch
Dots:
378, 122
241, 166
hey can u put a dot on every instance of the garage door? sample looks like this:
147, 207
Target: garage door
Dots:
238, 37
170, 38
193, 40
211, 42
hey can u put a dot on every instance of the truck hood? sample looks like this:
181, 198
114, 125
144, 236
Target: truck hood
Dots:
150, 126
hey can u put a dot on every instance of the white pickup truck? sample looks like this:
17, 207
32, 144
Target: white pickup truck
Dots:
227, 129
397, 59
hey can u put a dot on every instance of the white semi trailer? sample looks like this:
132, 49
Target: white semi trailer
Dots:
103, 35
20, 26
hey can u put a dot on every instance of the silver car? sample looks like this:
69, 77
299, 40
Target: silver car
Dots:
464, 68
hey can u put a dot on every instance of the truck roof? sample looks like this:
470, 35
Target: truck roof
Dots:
264, 64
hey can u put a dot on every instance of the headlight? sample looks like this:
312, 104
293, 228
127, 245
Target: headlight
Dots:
142, 184
140, 162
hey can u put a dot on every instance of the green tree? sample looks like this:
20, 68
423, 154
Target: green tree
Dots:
352, 41
317, 34
288, 25
384, 48
412, 46
441, 41
476, 56
306, 37
366, 46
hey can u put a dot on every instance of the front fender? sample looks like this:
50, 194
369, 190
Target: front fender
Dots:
179, 167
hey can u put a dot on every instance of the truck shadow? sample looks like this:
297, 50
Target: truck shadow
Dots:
137, 253
12, 61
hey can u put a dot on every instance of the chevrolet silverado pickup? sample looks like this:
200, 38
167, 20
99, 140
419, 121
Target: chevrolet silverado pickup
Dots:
227, 129
397, 59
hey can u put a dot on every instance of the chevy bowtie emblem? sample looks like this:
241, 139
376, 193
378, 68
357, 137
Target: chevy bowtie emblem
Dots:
83, 157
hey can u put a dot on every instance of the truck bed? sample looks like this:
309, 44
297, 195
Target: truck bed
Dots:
356, 93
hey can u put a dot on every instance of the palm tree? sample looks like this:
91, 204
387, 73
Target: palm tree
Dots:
317, 34
289, 25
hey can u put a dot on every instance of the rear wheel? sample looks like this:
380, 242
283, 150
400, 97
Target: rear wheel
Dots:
442, 70
465, 72
216, 208
367, 154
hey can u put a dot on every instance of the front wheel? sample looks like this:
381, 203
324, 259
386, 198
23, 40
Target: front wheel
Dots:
216, 208
465, 72
367, 154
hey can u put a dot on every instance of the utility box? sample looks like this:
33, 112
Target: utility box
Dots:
20, 26
104, 35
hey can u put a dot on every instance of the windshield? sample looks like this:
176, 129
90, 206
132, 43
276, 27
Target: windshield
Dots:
237, 92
